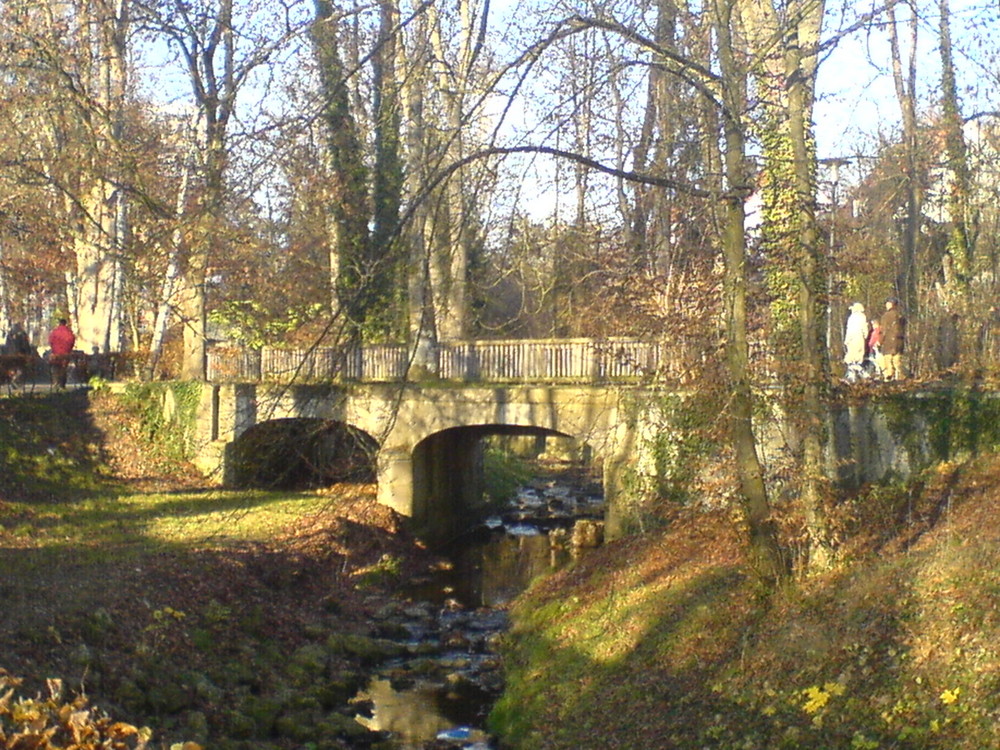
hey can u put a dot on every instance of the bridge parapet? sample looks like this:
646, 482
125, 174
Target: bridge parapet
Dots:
489, 361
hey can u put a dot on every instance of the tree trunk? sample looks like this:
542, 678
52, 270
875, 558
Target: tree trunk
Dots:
99, 242
906, 94
812, 301
172, 274
348, 214
962, 230
387, 180
766, 554
420, 310
651, 208
797, 264
455, 217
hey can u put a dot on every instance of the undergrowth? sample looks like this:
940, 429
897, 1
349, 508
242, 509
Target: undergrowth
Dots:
167, 414
503, 473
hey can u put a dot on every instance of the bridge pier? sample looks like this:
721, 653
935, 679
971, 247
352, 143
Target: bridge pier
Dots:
434, 484
395, 480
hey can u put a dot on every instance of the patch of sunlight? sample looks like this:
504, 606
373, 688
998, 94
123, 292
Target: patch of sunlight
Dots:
610, 629
174, 519
230, 516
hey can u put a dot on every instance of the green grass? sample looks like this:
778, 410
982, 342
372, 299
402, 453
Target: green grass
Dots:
504, 472
160, 519
63, 547
61, 505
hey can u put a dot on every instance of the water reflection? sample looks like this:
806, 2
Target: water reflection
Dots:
420, 711
499, 569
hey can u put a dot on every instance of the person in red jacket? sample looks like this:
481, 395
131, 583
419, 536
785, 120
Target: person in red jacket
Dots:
61, 343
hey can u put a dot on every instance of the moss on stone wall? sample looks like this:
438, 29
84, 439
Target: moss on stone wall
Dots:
168, 413
675, 439
953, 423
679, 442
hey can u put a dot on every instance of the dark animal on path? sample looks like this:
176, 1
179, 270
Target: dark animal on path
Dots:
15, 371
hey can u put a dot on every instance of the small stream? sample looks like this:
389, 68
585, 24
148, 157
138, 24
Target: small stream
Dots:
441, 693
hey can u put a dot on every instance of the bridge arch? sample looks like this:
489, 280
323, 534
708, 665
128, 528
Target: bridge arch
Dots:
448, 478
301, 453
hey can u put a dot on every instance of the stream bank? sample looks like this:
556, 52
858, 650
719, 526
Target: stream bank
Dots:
126, 579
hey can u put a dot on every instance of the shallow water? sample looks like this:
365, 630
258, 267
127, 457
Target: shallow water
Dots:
445, 691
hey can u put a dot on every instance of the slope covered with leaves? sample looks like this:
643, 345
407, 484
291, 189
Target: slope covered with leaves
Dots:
665, 638
228, 619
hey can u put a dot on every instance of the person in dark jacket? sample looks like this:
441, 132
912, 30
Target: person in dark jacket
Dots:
893, 340
61, 343
18, 342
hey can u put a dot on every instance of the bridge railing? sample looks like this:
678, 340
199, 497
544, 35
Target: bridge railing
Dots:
501, 361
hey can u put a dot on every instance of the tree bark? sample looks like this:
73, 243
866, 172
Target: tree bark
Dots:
905, 83
766, 553
172, 273
387, 180
99, 236
788, 40
960, 241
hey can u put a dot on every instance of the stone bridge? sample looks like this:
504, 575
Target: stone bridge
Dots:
428, 436
615, 397
427, 414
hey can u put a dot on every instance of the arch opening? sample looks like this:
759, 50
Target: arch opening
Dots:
301, 454
454, 481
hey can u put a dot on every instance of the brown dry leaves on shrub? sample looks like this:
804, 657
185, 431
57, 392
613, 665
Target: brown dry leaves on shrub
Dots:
54, 723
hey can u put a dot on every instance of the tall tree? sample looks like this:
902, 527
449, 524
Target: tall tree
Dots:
75, 53
456, 47
785, 39
767, 555
103, 229
905, 81
726, 93
219, 51
348, 200
961, 241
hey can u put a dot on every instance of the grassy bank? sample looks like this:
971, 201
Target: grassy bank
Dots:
660, 641
234, 620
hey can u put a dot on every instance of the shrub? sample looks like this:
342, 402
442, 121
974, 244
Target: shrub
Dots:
53, 722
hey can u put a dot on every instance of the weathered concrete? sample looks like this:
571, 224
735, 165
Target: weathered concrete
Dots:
895, 437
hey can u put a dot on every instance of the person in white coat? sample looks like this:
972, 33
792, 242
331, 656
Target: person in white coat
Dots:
855, 342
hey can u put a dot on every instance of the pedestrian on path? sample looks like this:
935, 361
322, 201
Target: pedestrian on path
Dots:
855, 342
61, 343
893, 340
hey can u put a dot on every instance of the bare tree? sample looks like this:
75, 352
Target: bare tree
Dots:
905, 81
219, 59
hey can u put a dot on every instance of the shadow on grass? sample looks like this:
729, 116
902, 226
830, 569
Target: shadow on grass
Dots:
708, 669
51, 447
155, 626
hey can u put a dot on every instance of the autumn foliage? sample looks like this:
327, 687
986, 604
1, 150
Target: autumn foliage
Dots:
57, 723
